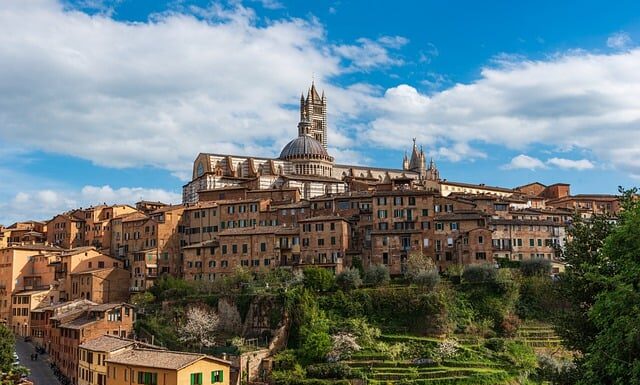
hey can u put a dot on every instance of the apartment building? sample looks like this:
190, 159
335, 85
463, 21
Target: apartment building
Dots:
40, 318
520, 239
23, 303
78, 260
150, 244
71, 329
24, 268
27, 232
162, 367
101, 285
324, 241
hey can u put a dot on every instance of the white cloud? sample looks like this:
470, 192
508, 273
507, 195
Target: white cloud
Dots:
619, 40
524, 162
156, 93
368, 54
270, 4
577, 100
582, 164
44, 204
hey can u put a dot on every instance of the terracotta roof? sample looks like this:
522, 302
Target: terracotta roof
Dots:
477, 186
312, 178
107, 343
108, 306
93, 271
78, 250
324, 218
201, 205
160, 358
208, 243
36, 247
252, 230
526, 222
137, 216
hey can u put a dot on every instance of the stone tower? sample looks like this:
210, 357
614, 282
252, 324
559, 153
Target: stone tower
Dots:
313, 115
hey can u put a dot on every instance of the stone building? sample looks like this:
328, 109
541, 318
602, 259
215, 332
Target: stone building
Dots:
304, 163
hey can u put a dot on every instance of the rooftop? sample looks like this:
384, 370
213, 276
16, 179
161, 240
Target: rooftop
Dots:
161, 359
107, 343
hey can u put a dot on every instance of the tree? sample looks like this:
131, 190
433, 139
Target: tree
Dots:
349, 279
7, 347
200, 327
417, 264
578, 285
318, 279
376, 275
535, 267
612, 355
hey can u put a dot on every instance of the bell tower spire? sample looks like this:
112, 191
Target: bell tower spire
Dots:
313, 115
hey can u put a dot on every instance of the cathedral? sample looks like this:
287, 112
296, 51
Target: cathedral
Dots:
304, 163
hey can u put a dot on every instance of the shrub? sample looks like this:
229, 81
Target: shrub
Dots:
285, 360
343, 346
475, 274
560, 372
535, 267
495, 344
366, 334
334, 370
349, 279
318, 279
509, 325
417, 263
427, 279
376, 275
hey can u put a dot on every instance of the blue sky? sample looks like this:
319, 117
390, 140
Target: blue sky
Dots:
111, 101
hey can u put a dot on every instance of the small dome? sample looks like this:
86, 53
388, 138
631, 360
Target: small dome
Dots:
303, 146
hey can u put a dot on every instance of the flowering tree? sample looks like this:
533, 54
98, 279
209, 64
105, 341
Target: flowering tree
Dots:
200, 327
343, 345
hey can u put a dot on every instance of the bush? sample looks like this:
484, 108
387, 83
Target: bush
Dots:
495, 344
336, 370
318, 279
475, 274
560, 372
377, 275
535, 267
427, 279
349, 279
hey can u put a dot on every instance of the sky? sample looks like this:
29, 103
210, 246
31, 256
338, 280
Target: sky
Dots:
111, 101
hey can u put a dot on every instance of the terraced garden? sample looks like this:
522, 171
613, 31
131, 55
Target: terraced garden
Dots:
539, 336
474, 364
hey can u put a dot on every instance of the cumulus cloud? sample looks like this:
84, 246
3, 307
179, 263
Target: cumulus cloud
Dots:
577, 100
619, 40
524, 162
368, 54
158, 92
581, 164
44, 204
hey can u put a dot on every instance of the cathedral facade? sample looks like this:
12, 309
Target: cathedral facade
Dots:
304, 163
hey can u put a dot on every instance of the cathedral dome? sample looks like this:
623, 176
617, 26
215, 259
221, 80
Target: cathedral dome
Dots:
304, 147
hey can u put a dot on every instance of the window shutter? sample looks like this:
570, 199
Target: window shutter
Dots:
193, 377
221, 375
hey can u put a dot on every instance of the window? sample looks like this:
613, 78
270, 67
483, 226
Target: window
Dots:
320, 242
333, 240
439, 226
263, 246
245, 248
397, 201
385, 258
267, 261
382, 213
319, 227
453, 225
234, 249
481, 255
217, 376
196, 379
148, 378
333, 226
412, 201
532, 242
480, 239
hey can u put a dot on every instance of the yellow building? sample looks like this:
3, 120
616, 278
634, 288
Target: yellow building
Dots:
92, 366
162, 367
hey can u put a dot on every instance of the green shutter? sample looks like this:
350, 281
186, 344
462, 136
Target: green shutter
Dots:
193, 376
221, 376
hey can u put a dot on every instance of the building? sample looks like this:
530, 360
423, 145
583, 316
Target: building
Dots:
150, 244
23, 269
304, 163
28, 232
75, 261
40, 319
93, 355
161, 367
101, 285
23, 303
72, 328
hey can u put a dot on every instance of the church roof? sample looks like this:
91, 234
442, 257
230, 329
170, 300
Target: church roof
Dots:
303, 146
